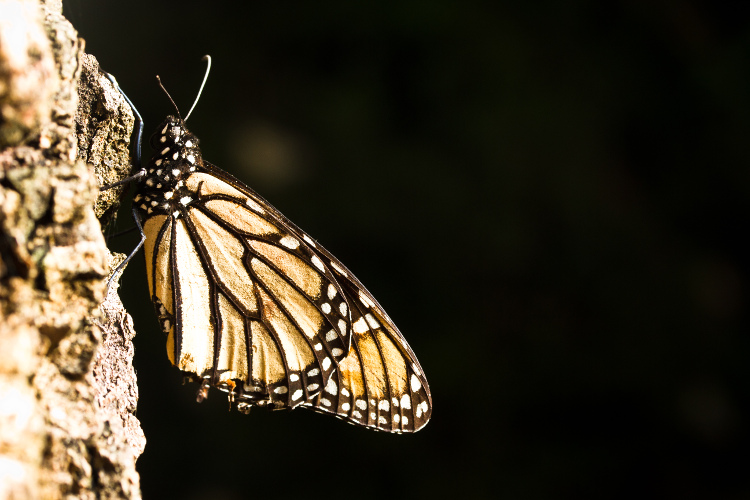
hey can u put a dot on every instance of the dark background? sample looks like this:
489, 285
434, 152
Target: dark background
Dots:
549, 198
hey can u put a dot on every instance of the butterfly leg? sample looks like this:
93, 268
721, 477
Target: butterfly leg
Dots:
135, 250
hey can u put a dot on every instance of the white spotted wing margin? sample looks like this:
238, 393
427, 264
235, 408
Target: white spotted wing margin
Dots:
380, 384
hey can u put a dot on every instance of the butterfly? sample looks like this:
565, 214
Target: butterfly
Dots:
253, 306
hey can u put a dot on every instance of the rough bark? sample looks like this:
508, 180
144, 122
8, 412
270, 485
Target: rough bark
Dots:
67, 386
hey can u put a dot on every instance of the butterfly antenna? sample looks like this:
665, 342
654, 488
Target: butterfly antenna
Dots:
170, 97
205, 77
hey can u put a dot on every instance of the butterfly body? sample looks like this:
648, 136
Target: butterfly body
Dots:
253, 306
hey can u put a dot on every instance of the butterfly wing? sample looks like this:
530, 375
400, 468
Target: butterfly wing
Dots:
253, 306
379, 384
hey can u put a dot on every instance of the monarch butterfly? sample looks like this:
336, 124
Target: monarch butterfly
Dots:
253, 306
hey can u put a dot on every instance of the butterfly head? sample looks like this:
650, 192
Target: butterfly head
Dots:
176, 157
173, 134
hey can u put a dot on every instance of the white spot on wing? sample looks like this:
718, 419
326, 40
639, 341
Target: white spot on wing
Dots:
294, 377
372, 321
317, 263
326, 363
415, 383
289, 242
313, 372
338, 268
331, 291
326, 308
280, 389
312, 387
331, 336
331, 387
365, 299
345, 406
337, 352
360, 326
297, 394
406, 402
309, 240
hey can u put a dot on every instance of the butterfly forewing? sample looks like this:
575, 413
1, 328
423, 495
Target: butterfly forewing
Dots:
253, 306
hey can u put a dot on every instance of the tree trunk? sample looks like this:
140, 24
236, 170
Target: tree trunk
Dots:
67, 386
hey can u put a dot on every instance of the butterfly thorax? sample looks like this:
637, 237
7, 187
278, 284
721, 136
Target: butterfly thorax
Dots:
163, 189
